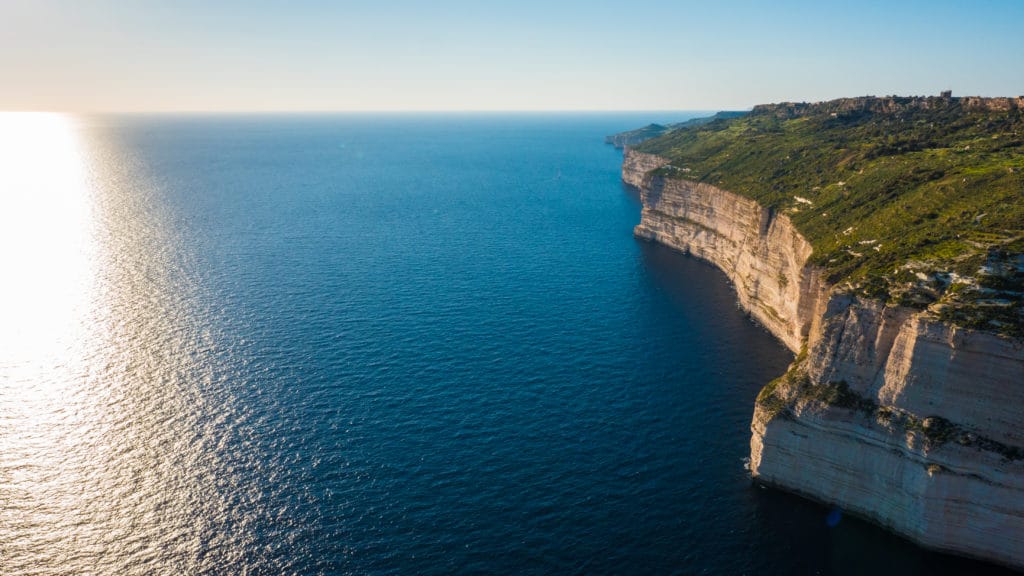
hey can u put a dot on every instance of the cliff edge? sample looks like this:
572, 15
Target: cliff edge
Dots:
891, 409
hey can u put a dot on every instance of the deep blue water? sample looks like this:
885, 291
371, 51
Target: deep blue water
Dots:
396, 344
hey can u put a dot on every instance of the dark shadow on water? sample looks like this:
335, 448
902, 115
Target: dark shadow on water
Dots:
705, 288
632, 192
820, 539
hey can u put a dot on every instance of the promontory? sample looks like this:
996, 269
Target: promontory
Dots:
881, 239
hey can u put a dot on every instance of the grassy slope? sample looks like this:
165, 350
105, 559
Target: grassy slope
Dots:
634, 137
920, 204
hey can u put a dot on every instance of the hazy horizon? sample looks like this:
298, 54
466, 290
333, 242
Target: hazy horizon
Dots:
455, 55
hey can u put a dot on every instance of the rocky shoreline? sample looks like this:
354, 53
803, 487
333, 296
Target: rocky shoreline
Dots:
886, 412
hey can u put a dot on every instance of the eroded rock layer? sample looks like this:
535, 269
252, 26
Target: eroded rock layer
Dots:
886, 412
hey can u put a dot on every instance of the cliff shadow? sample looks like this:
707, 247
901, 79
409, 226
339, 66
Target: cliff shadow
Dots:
824, 540
633, 193
705, 295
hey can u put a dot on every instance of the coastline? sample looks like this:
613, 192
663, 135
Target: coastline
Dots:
891, 415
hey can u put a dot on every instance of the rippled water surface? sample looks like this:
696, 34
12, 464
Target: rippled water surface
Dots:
374, 345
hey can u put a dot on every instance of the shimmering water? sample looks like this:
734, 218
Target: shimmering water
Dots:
374, 345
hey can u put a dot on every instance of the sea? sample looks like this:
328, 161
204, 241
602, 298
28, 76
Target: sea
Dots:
376, 344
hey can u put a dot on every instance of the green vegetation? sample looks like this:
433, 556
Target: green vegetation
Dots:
915, 201
770, 399
634, 137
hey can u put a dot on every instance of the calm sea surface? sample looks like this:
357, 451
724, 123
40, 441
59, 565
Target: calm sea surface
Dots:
395, 344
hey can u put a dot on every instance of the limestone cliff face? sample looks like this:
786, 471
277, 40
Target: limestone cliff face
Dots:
903, 359
761, 252
897, 417
637, 165
950, 497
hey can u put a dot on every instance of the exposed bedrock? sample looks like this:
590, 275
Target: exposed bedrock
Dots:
886, 412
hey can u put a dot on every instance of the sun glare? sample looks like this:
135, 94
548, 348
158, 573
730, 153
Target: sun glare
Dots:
45, 242
46, 263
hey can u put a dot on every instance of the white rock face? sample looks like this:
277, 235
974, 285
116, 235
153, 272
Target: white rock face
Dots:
967, 499
904, 359
952, 498
636, 165
761, 252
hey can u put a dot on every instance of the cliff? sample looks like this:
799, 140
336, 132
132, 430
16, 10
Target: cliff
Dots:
913, 201
760, 251
888, 411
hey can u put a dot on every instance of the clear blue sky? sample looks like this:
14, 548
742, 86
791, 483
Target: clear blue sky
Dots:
167, 55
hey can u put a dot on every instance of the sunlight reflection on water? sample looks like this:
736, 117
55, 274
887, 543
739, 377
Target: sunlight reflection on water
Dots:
107, 450
46, 250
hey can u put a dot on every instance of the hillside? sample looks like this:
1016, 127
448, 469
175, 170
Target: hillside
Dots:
916, 201
634, 137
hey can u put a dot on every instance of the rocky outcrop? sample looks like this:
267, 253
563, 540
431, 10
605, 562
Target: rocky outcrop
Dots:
636, 167
906, 360
950, 497
886, 411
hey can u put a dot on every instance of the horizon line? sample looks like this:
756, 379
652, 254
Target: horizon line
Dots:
311, 111
372, 111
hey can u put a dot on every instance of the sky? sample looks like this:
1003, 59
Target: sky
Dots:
276, 55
